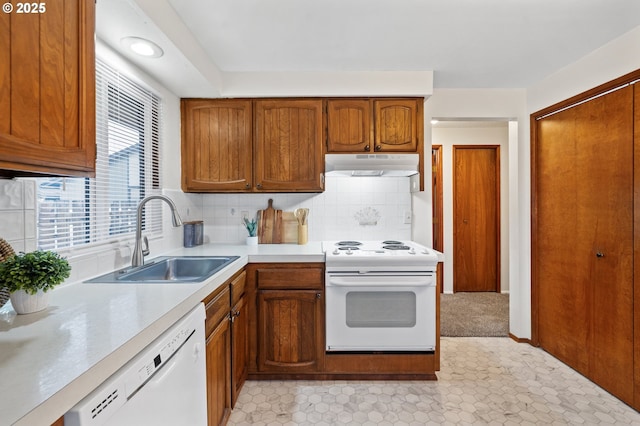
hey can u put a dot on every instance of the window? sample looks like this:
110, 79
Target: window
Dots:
77, 211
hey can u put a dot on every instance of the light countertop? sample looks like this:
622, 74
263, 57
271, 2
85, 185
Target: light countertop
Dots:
51, 359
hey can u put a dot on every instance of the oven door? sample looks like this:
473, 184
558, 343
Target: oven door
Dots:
380, 312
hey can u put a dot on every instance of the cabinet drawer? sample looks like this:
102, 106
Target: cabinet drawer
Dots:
237, 287
311, 278
217, 309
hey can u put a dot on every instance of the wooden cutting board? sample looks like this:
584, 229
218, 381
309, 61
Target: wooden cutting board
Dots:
289, 228
270, 225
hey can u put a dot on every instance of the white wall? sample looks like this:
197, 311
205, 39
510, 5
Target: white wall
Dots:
472, 134
505, 105
615, 59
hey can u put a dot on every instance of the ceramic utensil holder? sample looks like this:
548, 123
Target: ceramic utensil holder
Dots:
303, 236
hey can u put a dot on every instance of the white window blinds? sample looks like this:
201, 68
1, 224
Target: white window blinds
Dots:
76, 211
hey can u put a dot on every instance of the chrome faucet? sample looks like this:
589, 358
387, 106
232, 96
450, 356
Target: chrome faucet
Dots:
137, 259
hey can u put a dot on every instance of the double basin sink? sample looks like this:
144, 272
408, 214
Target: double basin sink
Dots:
168, 269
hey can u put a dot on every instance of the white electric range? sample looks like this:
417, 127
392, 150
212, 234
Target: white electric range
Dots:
380, 296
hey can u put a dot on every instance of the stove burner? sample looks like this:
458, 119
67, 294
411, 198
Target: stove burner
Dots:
396, 247
348, 248
391, 242
349, 243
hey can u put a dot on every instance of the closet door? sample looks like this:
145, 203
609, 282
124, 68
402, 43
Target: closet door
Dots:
584, 238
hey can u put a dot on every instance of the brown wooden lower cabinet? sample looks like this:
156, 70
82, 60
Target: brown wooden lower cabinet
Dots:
219, 374
239, 336
218, 349
226, 331
287, 328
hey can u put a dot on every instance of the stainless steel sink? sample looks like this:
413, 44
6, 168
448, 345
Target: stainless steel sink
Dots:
176, 269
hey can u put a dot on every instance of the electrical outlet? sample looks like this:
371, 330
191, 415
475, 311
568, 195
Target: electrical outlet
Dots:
232, 211
407, 216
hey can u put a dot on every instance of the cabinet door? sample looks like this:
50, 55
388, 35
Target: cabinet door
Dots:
47, 91
216, 145
396, 125
349, 125
288, 148
240, 347
291, 337
219, 374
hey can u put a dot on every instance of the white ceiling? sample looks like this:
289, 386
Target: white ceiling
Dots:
466, 43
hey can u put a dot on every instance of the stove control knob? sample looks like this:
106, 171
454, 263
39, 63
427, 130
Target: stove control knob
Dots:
336, 252
412, 251
349, 251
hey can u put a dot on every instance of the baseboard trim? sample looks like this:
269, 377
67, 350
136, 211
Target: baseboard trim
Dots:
519, 339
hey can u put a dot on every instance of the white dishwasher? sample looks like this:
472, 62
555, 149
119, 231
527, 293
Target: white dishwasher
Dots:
165, 384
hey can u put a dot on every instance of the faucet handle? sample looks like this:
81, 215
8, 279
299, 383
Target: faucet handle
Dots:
145, 250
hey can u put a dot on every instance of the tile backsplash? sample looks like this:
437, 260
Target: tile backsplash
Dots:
349, 208
18, 213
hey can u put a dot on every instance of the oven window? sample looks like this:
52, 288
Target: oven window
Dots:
381, 309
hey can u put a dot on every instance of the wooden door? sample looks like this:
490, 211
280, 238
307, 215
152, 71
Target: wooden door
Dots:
219, 374
349, 125
216, 145
396, 124
289, 145
291, 330
583, 238
47, 90
476, 218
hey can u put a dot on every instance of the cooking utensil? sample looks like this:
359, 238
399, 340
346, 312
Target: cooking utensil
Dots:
301, 215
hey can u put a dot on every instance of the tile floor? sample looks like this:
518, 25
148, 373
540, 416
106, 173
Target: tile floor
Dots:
484, 381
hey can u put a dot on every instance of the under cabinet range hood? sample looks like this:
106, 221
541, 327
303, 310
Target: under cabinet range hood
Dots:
382, 165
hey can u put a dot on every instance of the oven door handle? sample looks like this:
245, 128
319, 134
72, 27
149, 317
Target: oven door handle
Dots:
413, 281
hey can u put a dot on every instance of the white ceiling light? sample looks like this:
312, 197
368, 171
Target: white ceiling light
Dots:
142, 47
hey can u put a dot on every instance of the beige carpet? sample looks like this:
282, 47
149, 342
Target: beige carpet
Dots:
474, 315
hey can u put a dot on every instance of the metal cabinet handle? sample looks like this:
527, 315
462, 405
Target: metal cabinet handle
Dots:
378, 147
247, 186
318, 295
599, 254
367, 148
259, 185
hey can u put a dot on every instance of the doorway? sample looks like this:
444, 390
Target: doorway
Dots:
476, 218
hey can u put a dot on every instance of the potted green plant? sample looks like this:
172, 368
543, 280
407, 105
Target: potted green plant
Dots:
29, 277
252, 227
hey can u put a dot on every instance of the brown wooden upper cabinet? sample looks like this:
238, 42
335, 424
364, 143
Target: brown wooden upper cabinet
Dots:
216, 145
47, 91
374, 125
288, 145
270, 145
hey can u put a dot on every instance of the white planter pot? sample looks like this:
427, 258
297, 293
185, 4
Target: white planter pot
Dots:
25, 303
252, 241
